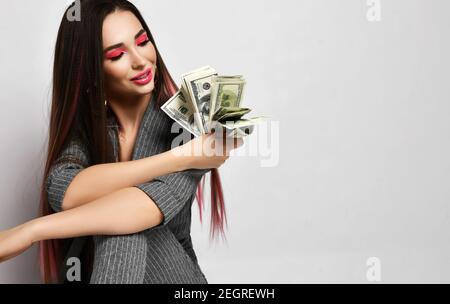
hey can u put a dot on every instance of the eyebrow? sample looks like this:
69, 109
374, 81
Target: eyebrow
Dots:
121, 44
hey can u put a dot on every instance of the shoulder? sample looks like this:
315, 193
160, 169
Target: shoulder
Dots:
75, 150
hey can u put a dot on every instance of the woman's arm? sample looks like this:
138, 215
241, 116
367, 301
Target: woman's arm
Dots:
124, 211
99, 180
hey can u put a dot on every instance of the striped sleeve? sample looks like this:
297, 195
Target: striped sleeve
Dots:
71, 161
172, 191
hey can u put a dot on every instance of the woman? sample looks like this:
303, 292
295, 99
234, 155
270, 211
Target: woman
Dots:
110, 172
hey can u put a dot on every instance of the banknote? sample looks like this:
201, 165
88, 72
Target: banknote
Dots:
230, 113
182, 112
239, 128
227, 91
196, 88
207, 101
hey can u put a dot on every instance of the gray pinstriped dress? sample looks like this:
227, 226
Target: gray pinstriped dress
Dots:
162, 254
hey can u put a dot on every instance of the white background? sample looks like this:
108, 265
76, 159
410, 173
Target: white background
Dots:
363, 115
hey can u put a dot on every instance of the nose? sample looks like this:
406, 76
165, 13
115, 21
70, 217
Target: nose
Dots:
137, 60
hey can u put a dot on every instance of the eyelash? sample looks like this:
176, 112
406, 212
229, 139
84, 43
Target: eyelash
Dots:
143, 43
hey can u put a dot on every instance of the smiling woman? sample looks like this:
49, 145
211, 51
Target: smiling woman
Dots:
129, 55
114, 194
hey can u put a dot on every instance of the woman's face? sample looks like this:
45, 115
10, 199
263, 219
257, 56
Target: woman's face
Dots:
127, 53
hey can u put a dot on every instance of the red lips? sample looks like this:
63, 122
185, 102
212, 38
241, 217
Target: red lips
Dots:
141, 74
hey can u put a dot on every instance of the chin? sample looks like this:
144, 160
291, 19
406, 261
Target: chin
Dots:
147, 89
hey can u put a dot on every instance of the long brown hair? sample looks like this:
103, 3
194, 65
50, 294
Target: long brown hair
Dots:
77, 109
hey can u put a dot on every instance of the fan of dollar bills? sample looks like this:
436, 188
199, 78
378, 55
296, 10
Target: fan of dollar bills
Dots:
207, 101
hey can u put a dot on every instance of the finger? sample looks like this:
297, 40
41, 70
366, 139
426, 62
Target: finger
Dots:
224, 135
218, 131
238, 142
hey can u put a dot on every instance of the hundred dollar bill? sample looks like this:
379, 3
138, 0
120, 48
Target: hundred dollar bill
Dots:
226, 92
196, 88
240, 128
230, 113
207, 101
182, 112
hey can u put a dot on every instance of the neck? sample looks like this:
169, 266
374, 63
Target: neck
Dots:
129, 112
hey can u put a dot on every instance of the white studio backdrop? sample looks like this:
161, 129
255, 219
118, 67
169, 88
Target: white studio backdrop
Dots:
359, 158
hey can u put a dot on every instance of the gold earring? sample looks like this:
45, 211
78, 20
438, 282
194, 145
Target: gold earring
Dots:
106, 103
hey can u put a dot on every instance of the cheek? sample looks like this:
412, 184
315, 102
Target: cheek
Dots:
151, 54
114, 72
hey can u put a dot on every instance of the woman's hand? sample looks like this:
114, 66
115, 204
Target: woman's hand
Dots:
208, 150
14, 241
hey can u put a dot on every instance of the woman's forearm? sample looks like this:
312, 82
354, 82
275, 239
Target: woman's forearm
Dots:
99, 180
125, 211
